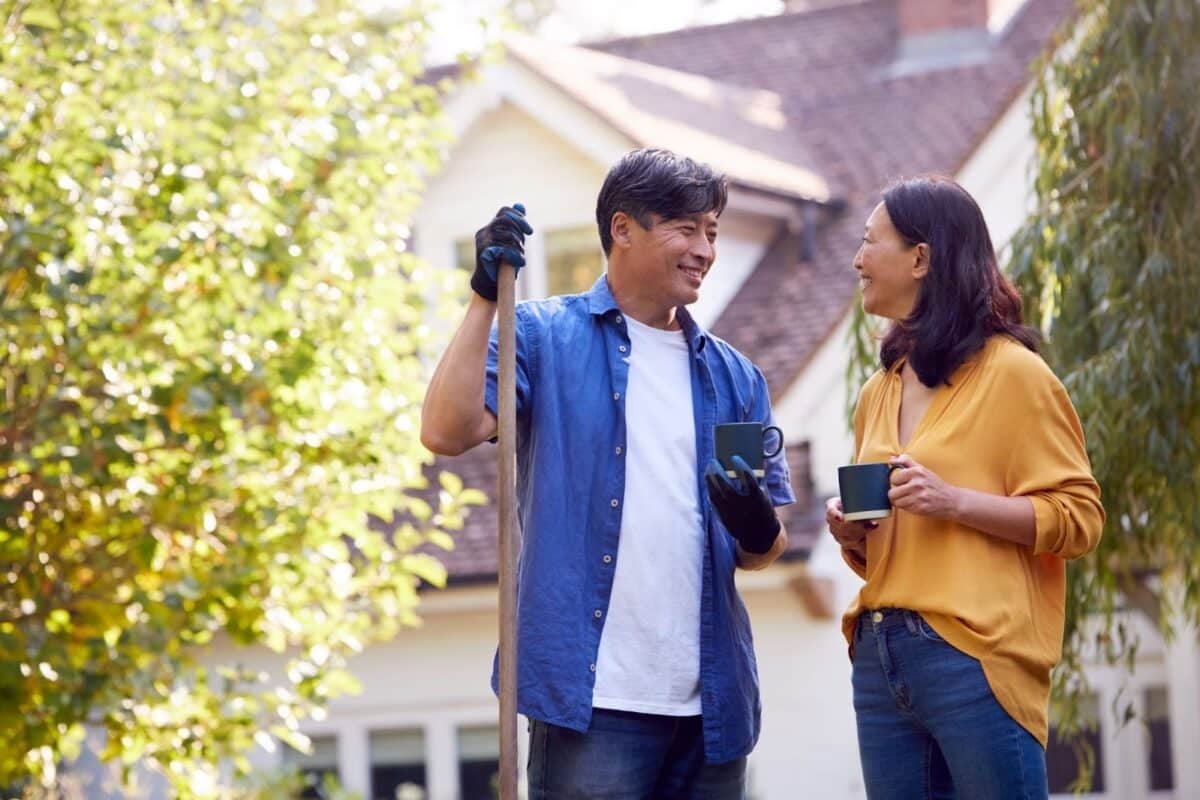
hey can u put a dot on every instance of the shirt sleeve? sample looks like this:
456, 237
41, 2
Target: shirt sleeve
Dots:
1048, 463
777, 476
524, 367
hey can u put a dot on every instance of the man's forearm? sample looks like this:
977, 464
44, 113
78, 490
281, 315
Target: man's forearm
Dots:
453, 416
756, 561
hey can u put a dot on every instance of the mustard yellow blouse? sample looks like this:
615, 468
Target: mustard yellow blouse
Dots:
1004, 425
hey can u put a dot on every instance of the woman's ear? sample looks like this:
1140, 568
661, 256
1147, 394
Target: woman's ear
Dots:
921, 264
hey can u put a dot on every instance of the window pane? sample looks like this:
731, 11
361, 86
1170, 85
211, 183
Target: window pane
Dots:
1158, 724
478, 762
464, 254
573, 260
315, 767
1065, 756
397, 764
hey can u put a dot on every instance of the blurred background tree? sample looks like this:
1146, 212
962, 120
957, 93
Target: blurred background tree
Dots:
210, 373
1109, 274
1108, 271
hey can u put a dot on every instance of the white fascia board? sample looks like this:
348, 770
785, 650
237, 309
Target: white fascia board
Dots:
514, 83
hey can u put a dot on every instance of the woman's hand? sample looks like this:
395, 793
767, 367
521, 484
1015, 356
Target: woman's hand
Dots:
919, 490
850, 535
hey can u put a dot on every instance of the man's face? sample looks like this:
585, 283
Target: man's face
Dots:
672, 256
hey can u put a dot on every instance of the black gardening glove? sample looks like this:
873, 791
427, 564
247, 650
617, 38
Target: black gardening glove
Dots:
502, 239
742, 505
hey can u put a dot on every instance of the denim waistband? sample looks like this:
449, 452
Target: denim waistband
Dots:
884, 618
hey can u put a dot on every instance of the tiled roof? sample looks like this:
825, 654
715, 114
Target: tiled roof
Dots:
848, 122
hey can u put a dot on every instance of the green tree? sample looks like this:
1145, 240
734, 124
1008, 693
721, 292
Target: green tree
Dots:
1107, 268
210, 371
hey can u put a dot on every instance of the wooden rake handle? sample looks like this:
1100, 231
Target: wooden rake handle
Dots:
509, 535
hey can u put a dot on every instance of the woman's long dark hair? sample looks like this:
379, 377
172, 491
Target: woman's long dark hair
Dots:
963, 298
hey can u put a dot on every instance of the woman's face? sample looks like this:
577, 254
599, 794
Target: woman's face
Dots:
890, 270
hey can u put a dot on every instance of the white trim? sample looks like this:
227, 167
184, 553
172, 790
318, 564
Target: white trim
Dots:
877, 513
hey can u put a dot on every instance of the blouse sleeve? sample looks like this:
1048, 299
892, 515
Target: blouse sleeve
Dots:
1048, 463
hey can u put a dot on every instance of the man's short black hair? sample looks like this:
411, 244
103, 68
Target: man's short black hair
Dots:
655, 181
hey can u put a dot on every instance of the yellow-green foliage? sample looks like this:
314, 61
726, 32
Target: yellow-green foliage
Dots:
209, 372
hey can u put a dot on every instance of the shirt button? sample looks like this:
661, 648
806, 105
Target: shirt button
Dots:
614, 502
607, 558
597, 613
618, 449
592, 667
877, 617
622, 348
616, 395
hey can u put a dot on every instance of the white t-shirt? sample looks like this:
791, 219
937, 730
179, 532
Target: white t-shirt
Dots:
649, 659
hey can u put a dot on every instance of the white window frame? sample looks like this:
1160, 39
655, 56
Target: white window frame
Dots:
439, 729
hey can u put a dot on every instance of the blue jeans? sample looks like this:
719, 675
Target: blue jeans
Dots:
626, 756
929, 725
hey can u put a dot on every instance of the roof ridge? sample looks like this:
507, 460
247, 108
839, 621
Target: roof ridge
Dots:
753, 95
741, 160
600, 44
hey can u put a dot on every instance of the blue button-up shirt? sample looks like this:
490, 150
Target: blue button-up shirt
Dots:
571, 375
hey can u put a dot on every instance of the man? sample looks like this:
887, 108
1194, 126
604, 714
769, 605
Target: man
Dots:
635, 660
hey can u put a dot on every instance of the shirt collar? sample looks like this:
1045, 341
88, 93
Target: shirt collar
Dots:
601, 302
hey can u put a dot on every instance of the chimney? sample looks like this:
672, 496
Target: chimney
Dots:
922, 17
937, 34
792, 6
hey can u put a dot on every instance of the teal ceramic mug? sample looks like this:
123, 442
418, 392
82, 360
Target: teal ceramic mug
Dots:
751, 440
864, 489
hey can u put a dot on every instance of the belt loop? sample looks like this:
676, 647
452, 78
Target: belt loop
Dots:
910, 622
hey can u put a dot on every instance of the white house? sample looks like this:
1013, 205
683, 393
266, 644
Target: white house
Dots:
810, 114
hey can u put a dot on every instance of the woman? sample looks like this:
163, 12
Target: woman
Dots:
960, 620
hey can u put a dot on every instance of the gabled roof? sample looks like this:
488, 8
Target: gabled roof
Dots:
850, 124
742, 132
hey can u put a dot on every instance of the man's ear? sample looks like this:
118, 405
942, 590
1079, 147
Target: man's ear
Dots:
619, 227
921, 264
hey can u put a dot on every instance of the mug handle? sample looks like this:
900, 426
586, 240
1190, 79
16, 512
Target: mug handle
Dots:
774, 452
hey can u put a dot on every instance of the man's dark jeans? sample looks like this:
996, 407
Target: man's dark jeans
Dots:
628, 756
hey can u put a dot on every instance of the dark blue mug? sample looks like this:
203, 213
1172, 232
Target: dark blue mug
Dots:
748, 440
864, 489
